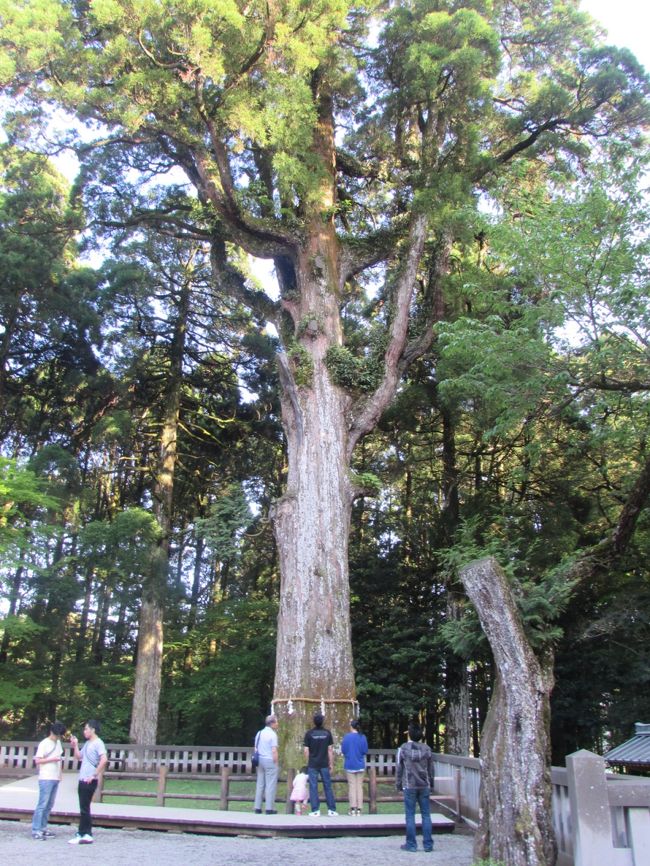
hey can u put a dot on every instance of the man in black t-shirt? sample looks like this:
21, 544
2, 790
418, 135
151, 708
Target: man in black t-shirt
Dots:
319, 754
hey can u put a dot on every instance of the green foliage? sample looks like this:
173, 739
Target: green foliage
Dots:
22, 494
228, 518
221, 696
541, 598
302, 364
351, 372
368, 482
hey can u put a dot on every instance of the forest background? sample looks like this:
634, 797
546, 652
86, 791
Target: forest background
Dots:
519, 433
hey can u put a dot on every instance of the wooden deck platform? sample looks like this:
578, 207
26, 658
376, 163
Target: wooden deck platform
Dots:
18, 799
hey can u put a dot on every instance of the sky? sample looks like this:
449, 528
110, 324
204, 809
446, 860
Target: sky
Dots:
627, 23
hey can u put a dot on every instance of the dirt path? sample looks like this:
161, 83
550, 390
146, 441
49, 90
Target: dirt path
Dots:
127, 847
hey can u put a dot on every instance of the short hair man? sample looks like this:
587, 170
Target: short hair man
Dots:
48, 758
93, 759
266, 744
319, 755
415, 777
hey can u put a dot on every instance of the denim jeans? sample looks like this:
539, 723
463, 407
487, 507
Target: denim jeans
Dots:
421, 797
266, 783
46, 794
314, 802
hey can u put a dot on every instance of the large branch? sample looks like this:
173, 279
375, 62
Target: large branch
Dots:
608, 383
233, 283
604, 554
368, 250
435, 305
520, 146
261, 238
369, 415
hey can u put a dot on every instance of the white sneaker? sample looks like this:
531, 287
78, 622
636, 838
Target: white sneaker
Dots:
86, 840
314, 814
332, 813
75, 840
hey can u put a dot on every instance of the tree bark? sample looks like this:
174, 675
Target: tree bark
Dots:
311, 521
515, 824
148, 672
457, 715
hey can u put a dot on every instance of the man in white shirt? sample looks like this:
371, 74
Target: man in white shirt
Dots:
49, 755
266, 743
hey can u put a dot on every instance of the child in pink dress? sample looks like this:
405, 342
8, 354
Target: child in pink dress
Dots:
299, 792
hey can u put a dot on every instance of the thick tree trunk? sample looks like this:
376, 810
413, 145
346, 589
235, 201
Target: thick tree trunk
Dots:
311, 522
515, 824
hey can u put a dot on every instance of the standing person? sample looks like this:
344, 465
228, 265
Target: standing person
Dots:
266, 743
93, 759
319, 754
299, 794
415, 776
48, 757
355, 748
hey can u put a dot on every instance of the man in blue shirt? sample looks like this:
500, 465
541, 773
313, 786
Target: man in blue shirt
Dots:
355, 748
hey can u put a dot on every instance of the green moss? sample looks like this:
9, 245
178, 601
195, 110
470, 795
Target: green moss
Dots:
302, 364
348, 371
311, 324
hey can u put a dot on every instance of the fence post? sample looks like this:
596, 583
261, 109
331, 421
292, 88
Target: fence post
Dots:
457, 793
372, 790
162, 784
99, 790
225, 788
591, 817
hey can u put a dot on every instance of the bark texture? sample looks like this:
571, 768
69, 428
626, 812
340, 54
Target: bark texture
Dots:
311, 521
148, 671
457, 715
515, 823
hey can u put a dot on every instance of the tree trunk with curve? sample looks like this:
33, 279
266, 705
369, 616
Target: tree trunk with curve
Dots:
515, 824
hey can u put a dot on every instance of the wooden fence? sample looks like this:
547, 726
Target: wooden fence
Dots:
224, 793
600, 819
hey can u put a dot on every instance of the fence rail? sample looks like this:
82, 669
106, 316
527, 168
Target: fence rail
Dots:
619, 835
223, 792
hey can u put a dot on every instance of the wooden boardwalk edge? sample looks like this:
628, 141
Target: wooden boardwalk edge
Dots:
18, 799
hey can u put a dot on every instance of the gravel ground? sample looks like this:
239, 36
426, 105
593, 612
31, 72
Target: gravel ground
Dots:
126, 847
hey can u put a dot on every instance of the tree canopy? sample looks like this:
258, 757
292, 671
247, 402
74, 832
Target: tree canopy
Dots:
451, 196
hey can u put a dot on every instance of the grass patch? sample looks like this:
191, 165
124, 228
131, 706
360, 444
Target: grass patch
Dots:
212, 788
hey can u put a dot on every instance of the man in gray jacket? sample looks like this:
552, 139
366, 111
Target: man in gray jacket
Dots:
415, 776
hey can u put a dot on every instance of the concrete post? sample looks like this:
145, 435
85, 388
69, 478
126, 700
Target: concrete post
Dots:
591, 818
638, 828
